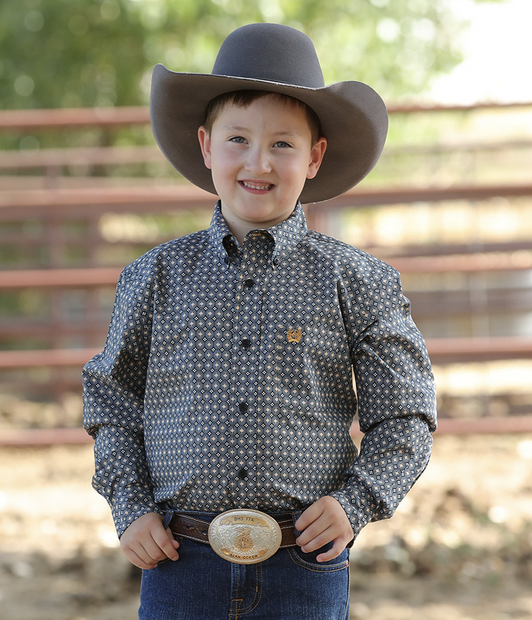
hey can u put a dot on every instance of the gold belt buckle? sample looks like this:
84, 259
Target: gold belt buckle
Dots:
244, 536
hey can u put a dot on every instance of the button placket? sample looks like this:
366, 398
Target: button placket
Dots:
247, 340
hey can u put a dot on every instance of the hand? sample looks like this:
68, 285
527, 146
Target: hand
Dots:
323, 522
145, 542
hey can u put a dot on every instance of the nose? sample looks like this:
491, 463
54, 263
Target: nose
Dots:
257, 161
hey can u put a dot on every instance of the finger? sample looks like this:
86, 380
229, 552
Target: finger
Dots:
314, 530
171, 538
308, 517
166, 544
136, 551
334, 552
147, 555
320, 540
138, 561
308, 536
147, 548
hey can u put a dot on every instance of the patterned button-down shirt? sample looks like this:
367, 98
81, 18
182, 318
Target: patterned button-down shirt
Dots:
227, 379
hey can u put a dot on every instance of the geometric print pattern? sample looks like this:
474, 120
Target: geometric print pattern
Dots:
231, 376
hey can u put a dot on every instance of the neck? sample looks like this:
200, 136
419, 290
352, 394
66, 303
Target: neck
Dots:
240, 228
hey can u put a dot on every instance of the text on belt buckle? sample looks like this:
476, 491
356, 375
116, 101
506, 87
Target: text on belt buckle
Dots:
244, 536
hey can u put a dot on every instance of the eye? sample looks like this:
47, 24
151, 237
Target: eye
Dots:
282, 145
237, 139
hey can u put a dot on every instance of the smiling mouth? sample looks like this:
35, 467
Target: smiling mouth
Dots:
261, 187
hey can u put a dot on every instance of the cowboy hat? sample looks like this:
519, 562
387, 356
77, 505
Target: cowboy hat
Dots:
279, 59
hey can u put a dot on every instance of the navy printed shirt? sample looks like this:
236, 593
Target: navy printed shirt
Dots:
227, 379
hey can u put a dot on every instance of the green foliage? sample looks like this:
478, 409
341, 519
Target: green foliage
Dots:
70, 53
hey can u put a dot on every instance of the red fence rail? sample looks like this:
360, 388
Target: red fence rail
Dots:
441, 351
72, 118
59, 204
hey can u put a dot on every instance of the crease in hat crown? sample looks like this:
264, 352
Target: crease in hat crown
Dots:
244, 56
279, 59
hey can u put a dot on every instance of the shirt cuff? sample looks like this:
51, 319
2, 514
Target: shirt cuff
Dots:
357, 518
125, 514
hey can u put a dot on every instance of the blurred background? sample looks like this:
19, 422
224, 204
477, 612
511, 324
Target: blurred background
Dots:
84, 191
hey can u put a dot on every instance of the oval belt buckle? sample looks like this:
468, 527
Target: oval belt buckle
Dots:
244, 536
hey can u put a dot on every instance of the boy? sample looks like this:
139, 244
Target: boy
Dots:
222, 403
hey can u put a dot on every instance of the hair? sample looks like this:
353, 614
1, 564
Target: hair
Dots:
244, 98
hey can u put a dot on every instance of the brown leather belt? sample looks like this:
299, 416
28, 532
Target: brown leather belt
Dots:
195, 529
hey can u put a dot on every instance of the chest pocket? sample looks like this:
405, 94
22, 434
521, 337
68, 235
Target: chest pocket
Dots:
310, 358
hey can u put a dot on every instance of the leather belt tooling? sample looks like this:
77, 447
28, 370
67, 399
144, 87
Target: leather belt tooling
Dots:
238, 536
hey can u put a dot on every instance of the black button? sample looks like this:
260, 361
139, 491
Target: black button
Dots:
227, 260
243, 474
243, 407
249, 283
246, 343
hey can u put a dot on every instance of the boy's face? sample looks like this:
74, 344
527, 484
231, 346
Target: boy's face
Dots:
260, 157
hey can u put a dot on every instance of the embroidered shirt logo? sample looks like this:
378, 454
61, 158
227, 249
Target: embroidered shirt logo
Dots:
294, 335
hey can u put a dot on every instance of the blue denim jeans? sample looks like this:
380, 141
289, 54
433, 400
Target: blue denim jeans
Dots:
290, 585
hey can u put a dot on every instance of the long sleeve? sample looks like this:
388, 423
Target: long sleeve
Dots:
113, 393
396, 401
204, 400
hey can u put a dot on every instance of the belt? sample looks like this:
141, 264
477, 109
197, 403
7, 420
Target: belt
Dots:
247, 528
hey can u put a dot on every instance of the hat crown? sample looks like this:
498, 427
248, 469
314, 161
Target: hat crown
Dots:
270, 52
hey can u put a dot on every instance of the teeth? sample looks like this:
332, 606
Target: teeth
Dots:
256, 185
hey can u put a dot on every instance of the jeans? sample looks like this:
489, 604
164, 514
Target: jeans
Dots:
290, 585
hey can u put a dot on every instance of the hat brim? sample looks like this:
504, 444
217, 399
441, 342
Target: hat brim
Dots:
353, 118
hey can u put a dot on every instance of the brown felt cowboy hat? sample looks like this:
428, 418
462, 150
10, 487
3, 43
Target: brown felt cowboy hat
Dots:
280, 59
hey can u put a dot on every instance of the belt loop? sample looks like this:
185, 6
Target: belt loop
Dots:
167, 518
295, 517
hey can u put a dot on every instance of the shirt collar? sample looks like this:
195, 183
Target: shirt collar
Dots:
286, 235
219, 232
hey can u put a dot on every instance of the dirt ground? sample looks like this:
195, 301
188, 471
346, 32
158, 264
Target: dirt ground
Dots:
458, 548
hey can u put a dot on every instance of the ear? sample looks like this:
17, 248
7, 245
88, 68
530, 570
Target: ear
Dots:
205, 145
316, 157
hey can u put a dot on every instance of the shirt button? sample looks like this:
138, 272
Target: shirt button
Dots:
245, 343
243, 473
249, 283
243, 407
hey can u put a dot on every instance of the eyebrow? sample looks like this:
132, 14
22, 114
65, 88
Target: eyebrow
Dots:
286, 132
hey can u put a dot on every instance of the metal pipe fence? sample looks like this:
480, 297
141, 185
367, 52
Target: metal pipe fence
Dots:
59, 268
